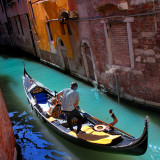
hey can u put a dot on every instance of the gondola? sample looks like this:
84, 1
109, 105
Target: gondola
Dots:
111, 140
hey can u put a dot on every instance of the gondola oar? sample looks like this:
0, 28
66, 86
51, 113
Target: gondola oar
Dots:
87, 115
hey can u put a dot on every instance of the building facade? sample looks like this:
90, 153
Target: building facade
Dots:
56, 33
112, 43
121, 38
15, 27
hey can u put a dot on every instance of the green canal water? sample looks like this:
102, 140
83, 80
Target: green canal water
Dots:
39, 142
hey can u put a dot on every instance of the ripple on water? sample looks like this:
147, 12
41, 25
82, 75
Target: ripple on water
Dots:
32, 143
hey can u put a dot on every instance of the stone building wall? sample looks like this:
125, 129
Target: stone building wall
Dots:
115, 45
7, 139
15, 29
124, 39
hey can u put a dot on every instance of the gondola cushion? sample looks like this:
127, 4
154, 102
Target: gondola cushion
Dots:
41, 97
95, 137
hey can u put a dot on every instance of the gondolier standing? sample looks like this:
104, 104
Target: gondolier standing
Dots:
70, 99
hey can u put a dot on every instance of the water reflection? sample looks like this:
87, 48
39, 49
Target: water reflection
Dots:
32, 143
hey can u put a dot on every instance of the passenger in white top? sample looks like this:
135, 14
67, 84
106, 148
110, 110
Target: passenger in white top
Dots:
70, 99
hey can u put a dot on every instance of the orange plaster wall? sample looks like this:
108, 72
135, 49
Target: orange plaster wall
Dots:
40, 27
46, 11
62, 4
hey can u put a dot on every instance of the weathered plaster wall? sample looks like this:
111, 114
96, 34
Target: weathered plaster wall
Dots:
63, 36
15, 27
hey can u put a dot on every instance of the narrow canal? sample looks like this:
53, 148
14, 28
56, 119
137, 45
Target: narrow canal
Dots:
39, 142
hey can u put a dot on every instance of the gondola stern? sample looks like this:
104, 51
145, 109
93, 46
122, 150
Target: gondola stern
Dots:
139, 146
142, 143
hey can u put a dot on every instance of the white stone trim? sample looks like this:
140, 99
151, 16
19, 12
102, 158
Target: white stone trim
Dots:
108, 43
129, 19
130, 44
85, 60
60, 53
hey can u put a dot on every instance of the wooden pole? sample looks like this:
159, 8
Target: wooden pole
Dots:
117, 86
86, 114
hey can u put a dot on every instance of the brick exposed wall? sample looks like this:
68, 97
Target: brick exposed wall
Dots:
140, 80
7, 139
119, 44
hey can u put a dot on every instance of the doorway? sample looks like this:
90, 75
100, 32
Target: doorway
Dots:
88, 61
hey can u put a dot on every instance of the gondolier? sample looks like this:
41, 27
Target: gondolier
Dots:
70, 99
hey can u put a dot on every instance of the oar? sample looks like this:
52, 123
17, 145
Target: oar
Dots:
86, 114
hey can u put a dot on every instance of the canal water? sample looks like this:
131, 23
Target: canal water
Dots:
39, 142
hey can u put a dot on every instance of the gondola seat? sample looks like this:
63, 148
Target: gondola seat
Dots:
41, 97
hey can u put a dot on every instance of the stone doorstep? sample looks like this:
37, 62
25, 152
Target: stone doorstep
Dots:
116, 67
51, 64
139, 100
128, 97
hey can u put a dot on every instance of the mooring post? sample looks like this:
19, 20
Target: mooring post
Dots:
117, 86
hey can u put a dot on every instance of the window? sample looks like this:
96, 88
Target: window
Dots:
69, 29
16, 24
118, 40
20, 24
50, 38
49, 30
9, 27
62, 28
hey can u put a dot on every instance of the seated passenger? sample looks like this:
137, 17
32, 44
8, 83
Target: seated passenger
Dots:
55, 108
53, 104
